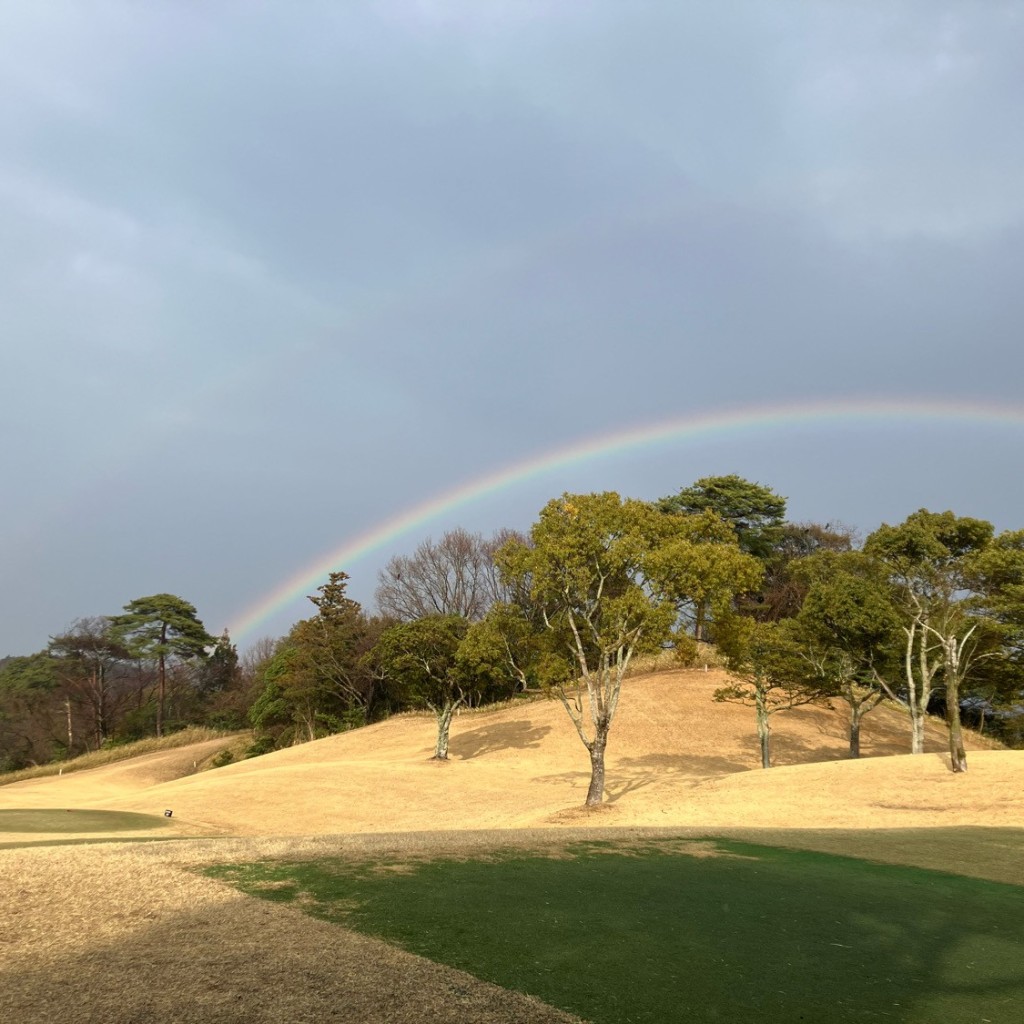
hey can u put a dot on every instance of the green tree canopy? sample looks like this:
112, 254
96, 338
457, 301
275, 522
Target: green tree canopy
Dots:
316, 682
158, 628
929, 559
754, 511
601, 596
422, 657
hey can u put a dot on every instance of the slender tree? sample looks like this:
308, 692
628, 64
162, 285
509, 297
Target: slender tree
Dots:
765, 660
88, 655
928, 558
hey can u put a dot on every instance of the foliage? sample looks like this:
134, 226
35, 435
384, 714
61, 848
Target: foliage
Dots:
699, 565
848, 632
785, 585
929, 560
770, 674
591, 577
754, 511
159, 628
426, 660
315, 682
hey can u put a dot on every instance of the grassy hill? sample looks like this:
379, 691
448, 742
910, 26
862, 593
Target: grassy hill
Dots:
675, 758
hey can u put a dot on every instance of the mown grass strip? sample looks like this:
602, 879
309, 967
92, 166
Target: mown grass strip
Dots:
56, 821
753, 934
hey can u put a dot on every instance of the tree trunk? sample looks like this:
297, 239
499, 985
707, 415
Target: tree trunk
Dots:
444, 723
916, 712
957, 754
595, 794
764, 729
100, 705
162, 685
71, 730
854, 731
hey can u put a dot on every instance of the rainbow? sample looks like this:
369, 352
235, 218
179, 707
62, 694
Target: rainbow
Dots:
677, 430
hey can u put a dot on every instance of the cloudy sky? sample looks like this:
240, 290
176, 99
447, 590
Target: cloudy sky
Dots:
275, 273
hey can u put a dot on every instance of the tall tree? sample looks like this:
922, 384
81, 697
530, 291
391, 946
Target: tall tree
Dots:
30, 727
453, 576
928, 558
88, 655
588, 572
158, 628
315, 683
754, 511
848, 632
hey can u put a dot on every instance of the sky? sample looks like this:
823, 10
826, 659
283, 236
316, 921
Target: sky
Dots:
274, 274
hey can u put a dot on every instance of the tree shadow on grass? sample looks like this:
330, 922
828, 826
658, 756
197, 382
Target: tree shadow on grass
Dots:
766, 936
499, 736
791, 748
246, 962
630, 774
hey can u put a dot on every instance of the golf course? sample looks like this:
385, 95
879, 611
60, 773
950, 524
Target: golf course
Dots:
356, 879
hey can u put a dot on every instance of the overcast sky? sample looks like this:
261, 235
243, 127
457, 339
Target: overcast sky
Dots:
275, 272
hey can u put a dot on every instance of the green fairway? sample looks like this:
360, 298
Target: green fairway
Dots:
61, 821
740, 933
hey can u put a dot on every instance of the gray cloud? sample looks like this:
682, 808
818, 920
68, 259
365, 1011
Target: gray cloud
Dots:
274, 272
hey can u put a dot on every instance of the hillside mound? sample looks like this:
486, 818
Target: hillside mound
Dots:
675, 757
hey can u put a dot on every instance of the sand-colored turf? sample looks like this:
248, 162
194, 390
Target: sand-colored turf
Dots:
188, 949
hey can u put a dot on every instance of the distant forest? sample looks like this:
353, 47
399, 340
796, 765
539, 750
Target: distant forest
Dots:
927, 614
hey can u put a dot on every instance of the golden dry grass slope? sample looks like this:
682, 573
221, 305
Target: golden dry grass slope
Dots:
675, 758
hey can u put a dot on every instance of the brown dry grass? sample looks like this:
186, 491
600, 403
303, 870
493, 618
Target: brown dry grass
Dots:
128, 933
126, 751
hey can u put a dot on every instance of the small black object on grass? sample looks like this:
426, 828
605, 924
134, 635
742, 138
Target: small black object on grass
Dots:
167, 814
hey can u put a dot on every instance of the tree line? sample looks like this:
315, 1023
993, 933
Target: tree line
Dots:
927, 614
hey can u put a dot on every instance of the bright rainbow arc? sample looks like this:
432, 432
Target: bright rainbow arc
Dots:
675, 430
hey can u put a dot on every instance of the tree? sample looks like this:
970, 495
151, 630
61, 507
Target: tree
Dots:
785, 586
928, 558
316, 683
220, 670
765, 658
700, 566
996, 576
754, 511
454, 576
848, 632
88, 655
587, 573
29, 731
158, 628
422, 656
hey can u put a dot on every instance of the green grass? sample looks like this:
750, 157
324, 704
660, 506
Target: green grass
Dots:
651, 934
52, 821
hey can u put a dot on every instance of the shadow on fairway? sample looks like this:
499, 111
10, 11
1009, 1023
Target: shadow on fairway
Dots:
62, 821
501, 736
755, 935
